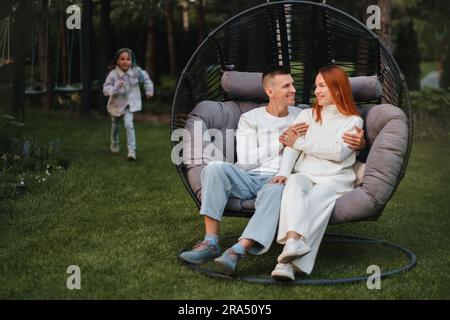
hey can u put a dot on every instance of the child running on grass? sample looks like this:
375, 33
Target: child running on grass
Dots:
122, 87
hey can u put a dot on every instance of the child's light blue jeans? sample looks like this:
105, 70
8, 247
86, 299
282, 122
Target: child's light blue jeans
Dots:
221, 180
129, 127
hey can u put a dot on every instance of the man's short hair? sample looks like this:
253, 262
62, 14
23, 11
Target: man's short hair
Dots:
272, 72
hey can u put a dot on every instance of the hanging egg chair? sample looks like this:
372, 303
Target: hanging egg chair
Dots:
222, 80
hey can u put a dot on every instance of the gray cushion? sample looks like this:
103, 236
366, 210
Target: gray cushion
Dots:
243, 85
386, 128
248, 86
387, 135
207, 115
365, 88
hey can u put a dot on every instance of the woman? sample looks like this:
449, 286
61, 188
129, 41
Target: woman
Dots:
322, 173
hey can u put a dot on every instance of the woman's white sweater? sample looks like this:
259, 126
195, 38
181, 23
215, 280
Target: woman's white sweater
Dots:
324, 156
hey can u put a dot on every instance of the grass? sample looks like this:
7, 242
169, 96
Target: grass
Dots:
124, 223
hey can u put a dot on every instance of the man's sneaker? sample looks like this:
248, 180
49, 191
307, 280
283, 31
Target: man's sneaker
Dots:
228, 261
201, 253
115, 148
293, 249
131, 156
283, 272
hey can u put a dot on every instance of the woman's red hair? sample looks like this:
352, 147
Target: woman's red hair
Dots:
340, 90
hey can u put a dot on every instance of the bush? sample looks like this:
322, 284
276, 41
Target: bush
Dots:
5, 94
24, 162
161, 103
431, 108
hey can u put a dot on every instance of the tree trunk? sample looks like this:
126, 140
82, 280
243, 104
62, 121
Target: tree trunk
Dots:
444, 81
104, 51
44, 60
19, 35
185, 9
86, 61
170, 42
201, 33
444, 57
150, 45
63, 54
386, 29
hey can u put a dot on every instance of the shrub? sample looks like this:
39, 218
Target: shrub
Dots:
23, 161
432, 112
161, 103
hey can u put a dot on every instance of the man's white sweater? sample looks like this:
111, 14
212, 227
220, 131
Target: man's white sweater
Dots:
324, 156
257, 145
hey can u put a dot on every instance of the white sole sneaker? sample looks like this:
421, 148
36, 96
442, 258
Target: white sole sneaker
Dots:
283, 273
293, 251
114, 149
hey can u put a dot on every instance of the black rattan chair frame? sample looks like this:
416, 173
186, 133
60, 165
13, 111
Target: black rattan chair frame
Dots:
304, 280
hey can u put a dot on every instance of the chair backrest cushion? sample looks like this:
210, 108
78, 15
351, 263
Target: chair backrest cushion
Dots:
243, 85
248, 86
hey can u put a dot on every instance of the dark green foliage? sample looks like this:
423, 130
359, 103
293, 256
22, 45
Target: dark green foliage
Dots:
434, 31
161, 102
24, 161
432, 113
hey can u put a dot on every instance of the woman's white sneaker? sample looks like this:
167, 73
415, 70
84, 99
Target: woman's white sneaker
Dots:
283, 272
115, 148
293, 249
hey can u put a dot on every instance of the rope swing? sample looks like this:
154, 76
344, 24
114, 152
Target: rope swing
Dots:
5, 42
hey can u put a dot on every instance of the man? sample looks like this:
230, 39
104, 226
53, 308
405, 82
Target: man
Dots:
259, 152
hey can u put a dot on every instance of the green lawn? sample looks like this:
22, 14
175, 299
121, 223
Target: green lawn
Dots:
124, 223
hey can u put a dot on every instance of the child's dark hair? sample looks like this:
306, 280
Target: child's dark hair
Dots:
119, 52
